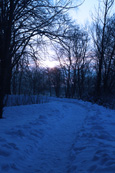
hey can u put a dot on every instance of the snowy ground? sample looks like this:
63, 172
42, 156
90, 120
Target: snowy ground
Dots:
62, 136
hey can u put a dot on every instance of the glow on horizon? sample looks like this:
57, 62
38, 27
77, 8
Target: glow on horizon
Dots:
49, 63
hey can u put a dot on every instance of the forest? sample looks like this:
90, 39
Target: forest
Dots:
86, 55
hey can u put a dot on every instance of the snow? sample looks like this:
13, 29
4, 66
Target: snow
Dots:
61, 136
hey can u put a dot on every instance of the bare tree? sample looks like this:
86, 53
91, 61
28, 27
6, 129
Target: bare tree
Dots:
79, 49
100, 39
72, 57
109, 56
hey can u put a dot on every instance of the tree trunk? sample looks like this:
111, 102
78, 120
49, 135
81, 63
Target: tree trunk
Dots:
68, 85
5, 79
74, 84
79, 83
99, 78
1, 105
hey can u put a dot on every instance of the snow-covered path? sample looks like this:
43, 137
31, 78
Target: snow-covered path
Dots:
60, 131
63, 136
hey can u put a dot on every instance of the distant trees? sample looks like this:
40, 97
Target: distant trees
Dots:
54, 80
20, 21
37, 81
29, 81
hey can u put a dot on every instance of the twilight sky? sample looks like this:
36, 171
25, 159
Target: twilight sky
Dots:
81, 15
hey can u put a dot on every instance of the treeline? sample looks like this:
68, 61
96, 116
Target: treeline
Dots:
52, 82
79, 82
